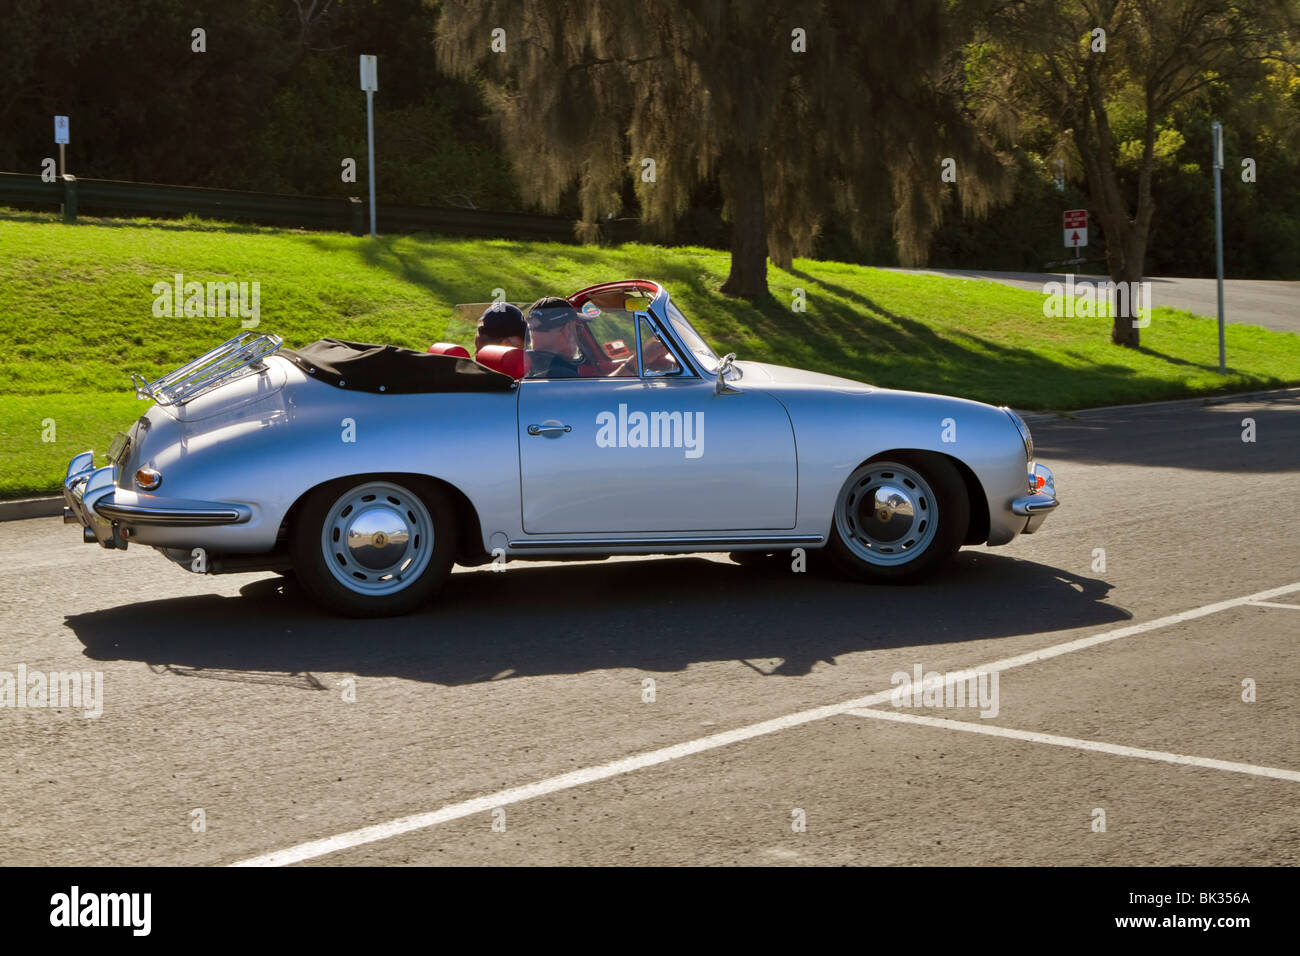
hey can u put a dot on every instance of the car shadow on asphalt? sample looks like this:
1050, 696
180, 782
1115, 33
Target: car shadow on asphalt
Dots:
659, 614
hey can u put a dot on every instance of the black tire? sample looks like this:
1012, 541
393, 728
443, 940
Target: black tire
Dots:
390, 566
917, 520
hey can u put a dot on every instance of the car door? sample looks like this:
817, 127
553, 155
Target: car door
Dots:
654, 456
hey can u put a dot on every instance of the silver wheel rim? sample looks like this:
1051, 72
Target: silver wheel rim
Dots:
377, 538
887, 514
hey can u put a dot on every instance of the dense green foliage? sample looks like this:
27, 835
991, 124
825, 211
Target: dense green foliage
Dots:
273, 104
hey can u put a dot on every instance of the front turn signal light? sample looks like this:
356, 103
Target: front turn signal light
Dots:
146, 479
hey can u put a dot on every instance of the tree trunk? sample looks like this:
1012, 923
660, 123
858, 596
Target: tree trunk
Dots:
1126, 239
742, 182
1125, 254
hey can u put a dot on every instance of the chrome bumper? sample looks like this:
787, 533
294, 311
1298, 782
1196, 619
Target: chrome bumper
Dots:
92, 502
1037, 505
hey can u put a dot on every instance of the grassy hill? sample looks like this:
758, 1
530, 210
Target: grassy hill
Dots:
76, 304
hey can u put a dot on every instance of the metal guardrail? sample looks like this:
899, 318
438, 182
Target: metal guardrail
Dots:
108, 197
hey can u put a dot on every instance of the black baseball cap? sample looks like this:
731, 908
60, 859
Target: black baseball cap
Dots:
502, 320
551, 312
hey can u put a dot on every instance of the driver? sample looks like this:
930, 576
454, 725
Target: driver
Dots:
553, 336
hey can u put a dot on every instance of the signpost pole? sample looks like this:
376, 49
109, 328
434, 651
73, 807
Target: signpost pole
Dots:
370, 83
1218, 232
1075, 222
370, 162
61, 137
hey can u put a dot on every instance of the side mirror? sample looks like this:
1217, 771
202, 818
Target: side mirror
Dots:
725, 366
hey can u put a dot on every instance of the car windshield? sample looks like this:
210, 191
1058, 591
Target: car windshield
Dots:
692, 340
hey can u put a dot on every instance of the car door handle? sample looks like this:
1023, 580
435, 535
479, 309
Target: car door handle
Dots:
548, 428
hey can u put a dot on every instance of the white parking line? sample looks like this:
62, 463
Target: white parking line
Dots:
579, 778
1077, 744
1294, 607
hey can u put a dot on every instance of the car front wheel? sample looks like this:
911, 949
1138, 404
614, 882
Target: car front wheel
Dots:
374, 547
897, 520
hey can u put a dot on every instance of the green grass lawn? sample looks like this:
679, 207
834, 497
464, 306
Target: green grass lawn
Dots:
76, 304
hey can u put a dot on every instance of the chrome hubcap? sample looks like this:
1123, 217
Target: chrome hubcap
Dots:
886, 514
377, 538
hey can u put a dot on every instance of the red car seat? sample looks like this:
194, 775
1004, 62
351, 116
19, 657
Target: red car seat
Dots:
504, 358
447, 348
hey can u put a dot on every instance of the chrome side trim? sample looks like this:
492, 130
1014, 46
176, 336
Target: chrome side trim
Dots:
700, 542
174, 517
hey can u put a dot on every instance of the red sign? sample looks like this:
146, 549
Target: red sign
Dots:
1076, 219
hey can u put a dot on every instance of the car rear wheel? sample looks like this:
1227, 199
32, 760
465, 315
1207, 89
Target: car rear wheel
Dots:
897, 520
374, 547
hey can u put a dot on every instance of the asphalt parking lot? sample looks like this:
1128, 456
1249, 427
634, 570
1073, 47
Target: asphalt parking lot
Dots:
510, 723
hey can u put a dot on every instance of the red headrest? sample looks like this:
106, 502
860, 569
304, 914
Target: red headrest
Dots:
446, 348
504, 358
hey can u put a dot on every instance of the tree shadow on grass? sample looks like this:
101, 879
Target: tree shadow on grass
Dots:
847, 333
994, 372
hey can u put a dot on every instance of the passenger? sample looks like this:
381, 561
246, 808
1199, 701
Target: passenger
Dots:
500, 324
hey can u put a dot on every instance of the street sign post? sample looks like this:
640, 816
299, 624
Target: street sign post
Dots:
1076, 228
1075, 222
1217, 131
370, 83
61, 137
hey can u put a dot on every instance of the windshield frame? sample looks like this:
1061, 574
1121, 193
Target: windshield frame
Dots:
704, 357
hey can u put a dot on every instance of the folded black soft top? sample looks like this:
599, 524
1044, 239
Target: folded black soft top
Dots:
358, 367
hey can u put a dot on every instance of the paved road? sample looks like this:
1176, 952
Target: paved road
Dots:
227, 694
1272, 304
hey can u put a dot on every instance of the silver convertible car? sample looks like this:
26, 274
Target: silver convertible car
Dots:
368, 470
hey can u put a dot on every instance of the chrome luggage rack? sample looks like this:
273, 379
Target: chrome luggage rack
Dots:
230, 360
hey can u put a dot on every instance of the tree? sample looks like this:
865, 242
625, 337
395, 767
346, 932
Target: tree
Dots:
1107, 74
797, 110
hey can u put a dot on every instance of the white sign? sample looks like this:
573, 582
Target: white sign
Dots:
61, 130
369, 72
1076, 237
